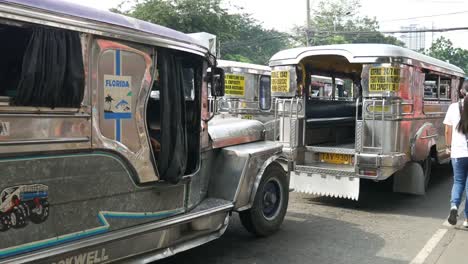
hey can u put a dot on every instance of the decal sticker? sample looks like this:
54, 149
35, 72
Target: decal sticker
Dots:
4, 129
384, 79
95, 257
234, 85
280, 81
250, 117
103, 216
117, 94
23, 203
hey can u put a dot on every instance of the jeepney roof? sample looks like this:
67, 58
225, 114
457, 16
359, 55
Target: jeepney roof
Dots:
248, 67
70, 13
365, 53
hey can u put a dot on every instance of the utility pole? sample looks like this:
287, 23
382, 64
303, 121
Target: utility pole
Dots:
308, 24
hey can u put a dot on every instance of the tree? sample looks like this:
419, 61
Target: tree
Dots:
443, 49
241, 37
334, 18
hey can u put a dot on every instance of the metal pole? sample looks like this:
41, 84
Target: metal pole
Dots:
308, 23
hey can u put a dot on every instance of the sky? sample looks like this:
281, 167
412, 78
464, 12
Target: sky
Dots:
391, 14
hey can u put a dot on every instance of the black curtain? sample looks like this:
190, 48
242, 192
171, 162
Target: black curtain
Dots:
52, 71
172, 160
13, 46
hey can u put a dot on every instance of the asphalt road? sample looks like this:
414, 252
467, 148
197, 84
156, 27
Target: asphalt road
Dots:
382, 227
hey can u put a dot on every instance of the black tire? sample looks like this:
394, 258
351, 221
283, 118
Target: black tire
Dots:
18, 216
427, 169
268, 209
5, 223
40, 213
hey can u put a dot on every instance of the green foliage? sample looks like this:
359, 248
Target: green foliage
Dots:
443, 49
241, 37
341, 16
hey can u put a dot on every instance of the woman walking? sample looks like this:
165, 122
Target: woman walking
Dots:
456, 132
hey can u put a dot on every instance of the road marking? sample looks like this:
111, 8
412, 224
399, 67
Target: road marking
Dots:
430, 245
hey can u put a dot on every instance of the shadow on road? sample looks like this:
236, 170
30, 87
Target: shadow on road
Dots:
302, 239
377, 197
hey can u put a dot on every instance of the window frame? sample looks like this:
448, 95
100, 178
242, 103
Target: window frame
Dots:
6, 105
440, 77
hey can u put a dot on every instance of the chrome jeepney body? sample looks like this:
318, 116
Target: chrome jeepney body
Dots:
102, 196
247, 94
391, 126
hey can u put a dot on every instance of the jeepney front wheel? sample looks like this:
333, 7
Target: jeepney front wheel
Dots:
270, 203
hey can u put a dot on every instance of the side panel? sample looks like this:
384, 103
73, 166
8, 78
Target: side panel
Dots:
87, 195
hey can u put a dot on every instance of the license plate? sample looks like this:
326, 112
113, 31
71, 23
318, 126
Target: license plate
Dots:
336, 158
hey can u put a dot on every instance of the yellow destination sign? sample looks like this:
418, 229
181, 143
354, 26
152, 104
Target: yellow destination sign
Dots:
234, 85
384, 79
280, 81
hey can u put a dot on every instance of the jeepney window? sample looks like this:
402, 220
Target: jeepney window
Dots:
41, 67
437, 87
430, 89
265, 93
445, 88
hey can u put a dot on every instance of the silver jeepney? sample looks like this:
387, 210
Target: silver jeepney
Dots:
84, 184
248, 94
389, 124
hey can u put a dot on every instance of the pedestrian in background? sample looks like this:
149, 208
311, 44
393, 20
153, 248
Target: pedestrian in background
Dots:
456, 133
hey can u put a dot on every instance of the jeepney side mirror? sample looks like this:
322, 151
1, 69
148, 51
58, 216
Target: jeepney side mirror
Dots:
217, 79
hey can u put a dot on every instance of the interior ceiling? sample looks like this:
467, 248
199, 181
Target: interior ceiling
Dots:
331, 64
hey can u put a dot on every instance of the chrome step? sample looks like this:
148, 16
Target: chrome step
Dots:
347, 149
326, 169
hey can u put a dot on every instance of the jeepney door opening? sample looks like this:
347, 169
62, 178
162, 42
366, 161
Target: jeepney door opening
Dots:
332, 86
173, 113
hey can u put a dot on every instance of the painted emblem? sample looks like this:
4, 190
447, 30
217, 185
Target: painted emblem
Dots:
23, 203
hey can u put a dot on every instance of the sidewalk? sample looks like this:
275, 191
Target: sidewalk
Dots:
455, 252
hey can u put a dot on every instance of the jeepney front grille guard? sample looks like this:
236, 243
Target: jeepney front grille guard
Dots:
282, 113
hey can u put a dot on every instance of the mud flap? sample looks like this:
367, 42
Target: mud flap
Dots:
326, 185
410, 179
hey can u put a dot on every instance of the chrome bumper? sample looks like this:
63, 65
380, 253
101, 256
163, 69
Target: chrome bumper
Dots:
385, 165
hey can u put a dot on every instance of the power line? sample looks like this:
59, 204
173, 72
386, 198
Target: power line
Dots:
393, 31
325, 34
428, 16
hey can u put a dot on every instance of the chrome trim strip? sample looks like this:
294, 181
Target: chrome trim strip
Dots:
28, 115
63, 249
44, 141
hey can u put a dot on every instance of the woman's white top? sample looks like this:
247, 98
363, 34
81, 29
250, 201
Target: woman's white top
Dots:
459, 145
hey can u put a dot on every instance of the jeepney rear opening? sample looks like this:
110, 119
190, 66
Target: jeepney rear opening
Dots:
330, 90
